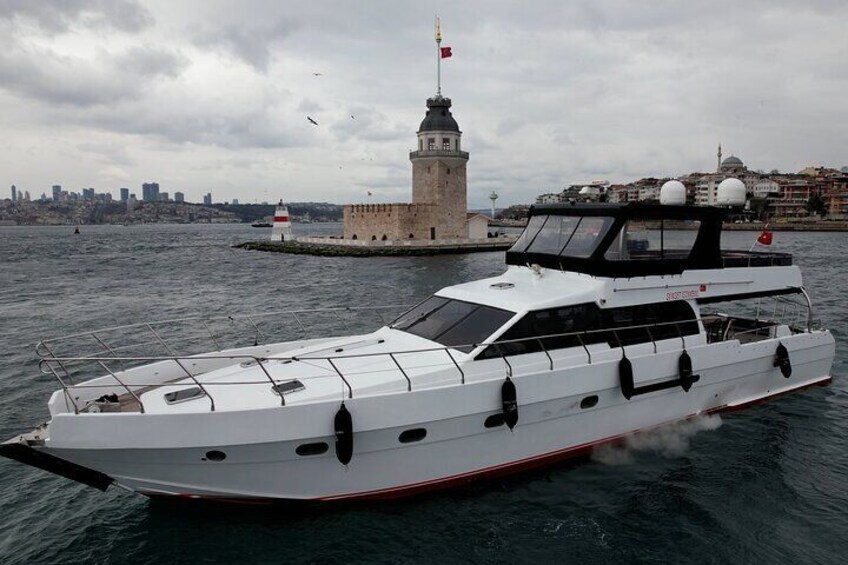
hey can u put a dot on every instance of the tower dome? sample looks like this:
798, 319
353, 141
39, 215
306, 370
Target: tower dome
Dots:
732, 161
438, 117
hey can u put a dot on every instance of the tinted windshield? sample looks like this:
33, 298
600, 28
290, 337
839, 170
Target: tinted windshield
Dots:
452, 322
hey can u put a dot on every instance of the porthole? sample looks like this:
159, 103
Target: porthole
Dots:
215, 455
589, 401
494, 421
415, 434
306, 449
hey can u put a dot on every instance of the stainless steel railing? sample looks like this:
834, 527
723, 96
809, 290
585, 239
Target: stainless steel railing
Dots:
616, 337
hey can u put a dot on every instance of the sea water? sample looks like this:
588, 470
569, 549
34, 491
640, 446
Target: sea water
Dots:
767, 485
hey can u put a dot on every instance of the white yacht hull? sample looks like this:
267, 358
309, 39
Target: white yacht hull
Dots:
166, 454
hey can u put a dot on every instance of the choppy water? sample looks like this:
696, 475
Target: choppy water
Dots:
768, 485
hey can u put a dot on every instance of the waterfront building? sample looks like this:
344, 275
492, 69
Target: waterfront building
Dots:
235, 201
179, 197
57, 192
125, 194
150, 191
207, 199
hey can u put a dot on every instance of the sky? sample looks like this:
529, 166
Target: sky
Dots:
213, 96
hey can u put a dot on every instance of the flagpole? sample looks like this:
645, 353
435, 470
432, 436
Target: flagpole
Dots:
438, 59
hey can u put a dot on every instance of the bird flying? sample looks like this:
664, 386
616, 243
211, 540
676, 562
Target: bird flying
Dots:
311, 121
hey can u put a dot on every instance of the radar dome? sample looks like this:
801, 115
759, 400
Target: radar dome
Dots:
673, 192
731, 192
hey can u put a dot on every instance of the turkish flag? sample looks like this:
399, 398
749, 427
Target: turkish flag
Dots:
446, 52
765, 238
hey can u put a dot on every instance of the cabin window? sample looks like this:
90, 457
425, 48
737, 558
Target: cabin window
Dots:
653, 322
543, 328
650, 240
452, 323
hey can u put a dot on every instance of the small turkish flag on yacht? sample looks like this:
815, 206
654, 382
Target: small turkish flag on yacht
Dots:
765, 237
446, 52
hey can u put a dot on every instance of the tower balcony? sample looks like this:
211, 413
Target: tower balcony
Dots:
438, 153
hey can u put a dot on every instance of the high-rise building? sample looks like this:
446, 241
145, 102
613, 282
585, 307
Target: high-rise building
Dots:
88, 194
179, 197
14, 194
57, 192
125, 194
150, 191
235, 201
207, 198
27, 197
164, 197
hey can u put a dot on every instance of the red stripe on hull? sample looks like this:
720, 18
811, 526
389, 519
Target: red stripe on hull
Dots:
489, 473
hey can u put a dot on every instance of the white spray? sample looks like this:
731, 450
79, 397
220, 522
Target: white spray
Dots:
669, 441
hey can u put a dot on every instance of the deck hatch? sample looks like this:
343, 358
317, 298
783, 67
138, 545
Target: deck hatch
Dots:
184, 395
288, 387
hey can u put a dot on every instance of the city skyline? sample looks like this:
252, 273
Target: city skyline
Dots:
211, 98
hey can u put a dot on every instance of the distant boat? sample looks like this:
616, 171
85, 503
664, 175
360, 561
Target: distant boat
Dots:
261, 224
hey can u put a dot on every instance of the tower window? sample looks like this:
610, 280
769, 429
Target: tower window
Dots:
446, 143
448, 170
431, 143
421, 145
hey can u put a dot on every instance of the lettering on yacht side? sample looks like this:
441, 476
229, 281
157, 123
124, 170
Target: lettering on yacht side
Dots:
681, 295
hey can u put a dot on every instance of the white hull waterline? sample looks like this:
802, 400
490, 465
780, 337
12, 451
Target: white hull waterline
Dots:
414, 405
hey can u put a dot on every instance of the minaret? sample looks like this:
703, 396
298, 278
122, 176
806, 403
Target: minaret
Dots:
718, 166
438, 167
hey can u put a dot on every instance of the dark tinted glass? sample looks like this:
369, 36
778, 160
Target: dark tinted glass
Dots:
419, 312
540, 328
554, 235
474, 328
452, 322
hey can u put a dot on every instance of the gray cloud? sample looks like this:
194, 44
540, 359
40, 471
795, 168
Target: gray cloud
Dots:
55, 17
547, 93
46, 75
250, 43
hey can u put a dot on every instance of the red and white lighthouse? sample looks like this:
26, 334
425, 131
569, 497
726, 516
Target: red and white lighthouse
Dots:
281, 230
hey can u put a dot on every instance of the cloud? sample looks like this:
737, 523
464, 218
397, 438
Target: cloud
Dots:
44, 74
58, 17
249, 43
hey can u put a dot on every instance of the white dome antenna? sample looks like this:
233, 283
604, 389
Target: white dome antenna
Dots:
731, 192
673, 192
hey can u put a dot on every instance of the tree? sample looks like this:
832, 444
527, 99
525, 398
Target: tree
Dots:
816, 204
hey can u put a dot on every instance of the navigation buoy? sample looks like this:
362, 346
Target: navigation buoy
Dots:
344, 435
509, 400
781, 359
625, 376
281, 229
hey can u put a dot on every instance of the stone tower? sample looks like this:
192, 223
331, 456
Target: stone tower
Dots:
438, 170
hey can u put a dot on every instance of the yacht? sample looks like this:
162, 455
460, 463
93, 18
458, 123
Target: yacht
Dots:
609, 320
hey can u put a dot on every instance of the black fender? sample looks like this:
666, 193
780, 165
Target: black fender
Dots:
509, 401
343, 426
781, 359
625, 376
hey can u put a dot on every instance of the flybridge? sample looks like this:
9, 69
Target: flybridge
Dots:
628, 240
